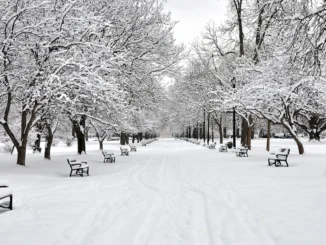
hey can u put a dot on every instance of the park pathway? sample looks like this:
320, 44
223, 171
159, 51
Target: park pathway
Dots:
168, 196
167, 193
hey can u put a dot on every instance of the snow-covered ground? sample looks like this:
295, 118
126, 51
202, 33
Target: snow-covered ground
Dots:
169, 192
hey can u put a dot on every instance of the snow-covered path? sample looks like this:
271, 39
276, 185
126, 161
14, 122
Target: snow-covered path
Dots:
170, 192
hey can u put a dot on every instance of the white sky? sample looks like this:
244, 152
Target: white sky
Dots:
193, 15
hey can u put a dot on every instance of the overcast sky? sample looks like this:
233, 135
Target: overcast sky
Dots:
193, 15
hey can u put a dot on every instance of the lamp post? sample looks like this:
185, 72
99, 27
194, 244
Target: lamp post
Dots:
233, 81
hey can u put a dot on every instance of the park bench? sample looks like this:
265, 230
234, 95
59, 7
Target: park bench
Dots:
198, 142
108, 157
132, 147
279, 156
223, 148
78, 167
212, 146
5, 193
241, 152
143, 143
124, 151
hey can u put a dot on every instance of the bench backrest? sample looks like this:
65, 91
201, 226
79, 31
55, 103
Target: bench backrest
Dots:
105, 153
71, 160
284, 152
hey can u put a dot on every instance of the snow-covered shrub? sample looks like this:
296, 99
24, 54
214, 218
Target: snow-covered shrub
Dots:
7, 146
69, 140
32, 137
55, 141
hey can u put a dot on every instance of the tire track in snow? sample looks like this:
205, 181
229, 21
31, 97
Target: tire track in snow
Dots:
201, 215
244, 215
143, 234
234, 220
172, 225
94, 215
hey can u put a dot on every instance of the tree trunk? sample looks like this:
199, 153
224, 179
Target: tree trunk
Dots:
197, 130
220, 128
37, 143
79, 129
212, 132
294, 136
299, 144
244, 132
24, 128
49, 140
240, 28
101, 138
250, 129
81, 143
73, 134
140, 137
268, 140
208, 136
21, 149
21, 154
204, 132
249, 138
122, 138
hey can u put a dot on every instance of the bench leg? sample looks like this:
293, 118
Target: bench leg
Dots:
270, 163
10, 202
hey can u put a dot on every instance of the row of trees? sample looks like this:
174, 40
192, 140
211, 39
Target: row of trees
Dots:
74, 62
267, 61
